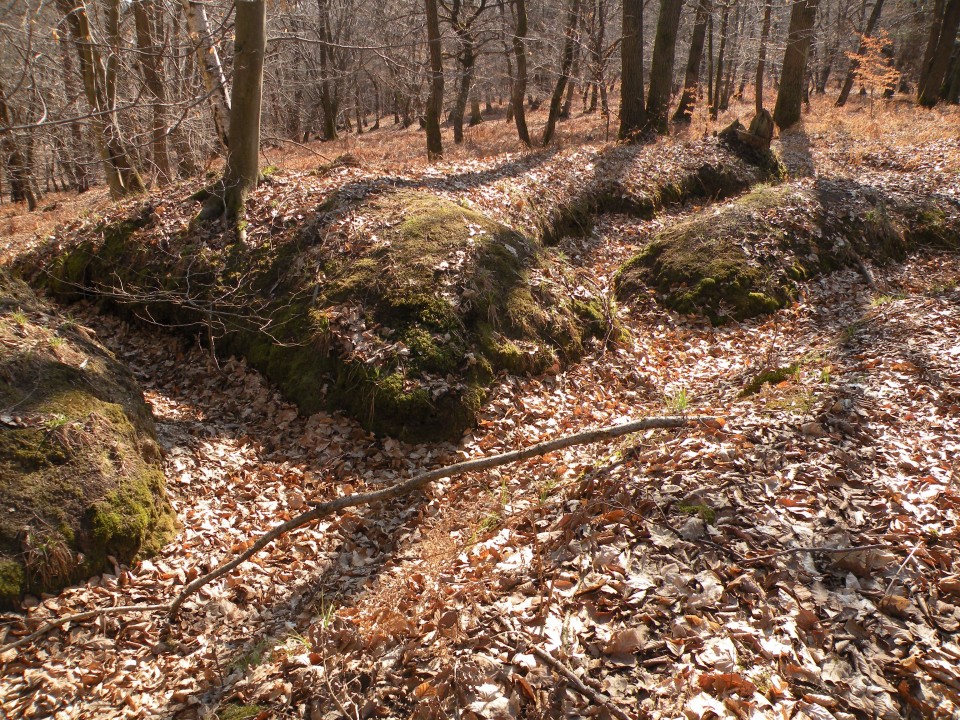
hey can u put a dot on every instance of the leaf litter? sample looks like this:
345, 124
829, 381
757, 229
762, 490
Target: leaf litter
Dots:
675, 573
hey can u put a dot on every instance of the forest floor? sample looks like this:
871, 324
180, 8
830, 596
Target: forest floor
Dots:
671, 572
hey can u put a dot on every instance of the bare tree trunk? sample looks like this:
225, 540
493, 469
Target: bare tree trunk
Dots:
715, 99
151, 64
211, 69
633, 116
23, 185
520, 83
77, 156
435, 101
466, 59
328, 94
852, 72
661, 66
691, 81
122, 175
935, 72
240, 176
566, 62
762, 58
794, 73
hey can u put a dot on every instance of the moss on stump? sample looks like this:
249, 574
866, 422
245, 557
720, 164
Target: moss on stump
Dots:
80, 478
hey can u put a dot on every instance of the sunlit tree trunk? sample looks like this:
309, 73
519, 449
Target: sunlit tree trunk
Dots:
566, 62
23, 184
435, 101
661, 66
211, 69
633, 115
151, 64
762, 57
691, 81
520, 82
328, 91
934, 72
122, 175
793, 75
240, 176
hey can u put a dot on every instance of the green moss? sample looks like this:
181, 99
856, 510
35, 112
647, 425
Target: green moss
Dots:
239, 712
74, 484
704, 512
771, 376
12, 580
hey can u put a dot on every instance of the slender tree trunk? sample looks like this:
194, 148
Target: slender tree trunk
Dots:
328, 94
793, 76
242, 170
566, 62
691, 78
854, 64
467, 61
476, 117
19, 168
633, 116
151, 65
661, 66
762, 57
121, 173
953, 91
715, 100
435, 101
520, 83
78, 153
211, 69
935, 72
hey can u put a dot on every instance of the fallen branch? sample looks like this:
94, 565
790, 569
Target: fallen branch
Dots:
828, 550
320, 510
576, 683
78, 617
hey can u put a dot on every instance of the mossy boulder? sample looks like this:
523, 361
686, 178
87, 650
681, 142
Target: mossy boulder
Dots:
398, 307
80, 476
745, 258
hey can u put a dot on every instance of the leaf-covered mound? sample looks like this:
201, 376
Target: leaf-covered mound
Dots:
80, 475
398, 307
633, 180
744, 258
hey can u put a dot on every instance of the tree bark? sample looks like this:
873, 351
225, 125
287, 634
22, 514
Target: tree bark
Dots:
762, 56
76, 160
240, 176
151, 64
211, 69
435, 101
793, 75
566, 62
633, 115
661, 66
23, 184
930, 89
122, 175
328, 91
691, 79
520, 82
854, 64
717, 87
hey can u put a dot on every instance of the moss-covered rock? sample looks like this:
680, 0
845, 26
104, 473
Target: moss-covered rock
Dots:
397, 307
79, 464
745, 258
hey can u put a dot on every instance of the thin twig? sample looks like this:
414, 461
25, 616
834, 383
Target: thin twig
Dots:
320, 510
575, 682
830, 550
78, 617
